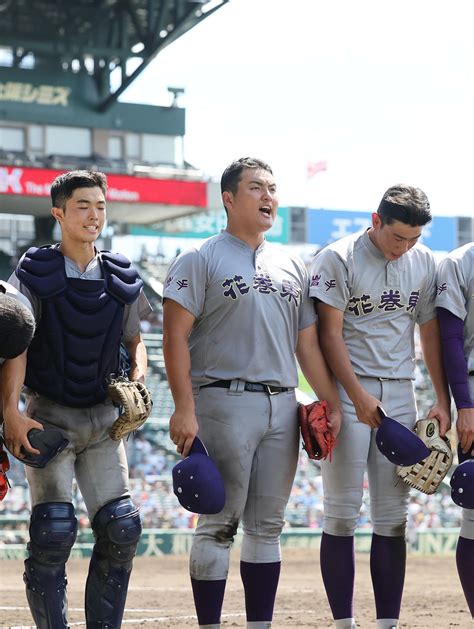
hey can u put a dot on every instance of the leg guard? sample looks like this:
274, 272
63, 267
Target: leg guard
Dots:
117, 529
53, 530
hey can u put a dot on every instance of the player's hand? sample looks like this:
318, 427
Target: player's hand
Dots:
366, 408
465, 429
443, 415
335, 420
15, 430
183, 429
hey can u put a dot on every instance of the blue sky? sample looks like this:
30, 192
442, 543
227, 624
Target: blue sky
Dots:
383, 91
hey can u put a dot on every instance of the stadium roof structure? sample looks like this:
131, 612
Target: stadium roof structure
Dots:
98, 36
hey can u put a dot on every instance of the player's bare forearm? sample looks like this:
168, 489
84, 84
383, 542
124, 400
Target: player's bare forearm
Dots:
337, 356
16, 425
13, 377
430, 340
183, 422
177, 325
465, 428
178, 367
314, 367
138, 358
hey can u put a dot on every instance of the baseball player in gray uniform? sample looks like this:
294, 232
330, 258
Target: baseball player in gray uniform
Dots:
236, 310
455, 304
85, 303
371, 289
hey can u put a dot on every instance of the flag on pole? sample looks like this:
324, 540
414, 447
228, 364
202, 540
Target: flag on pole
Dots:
313, 168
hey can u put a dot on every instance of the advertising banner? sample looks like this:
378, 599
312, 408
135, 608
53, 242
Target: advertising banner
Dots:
36, 182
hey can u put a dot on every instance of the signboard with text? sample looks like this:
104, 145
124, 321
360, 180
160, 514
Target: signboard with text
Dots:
209, 224
326, 226
36, 182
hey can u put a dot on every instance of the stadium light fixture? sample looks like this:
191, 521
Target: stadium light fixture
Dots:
209, 6
138, 47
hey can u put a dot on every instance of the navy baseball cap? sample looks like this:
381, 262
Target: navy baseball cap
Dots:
197, 482
462, 485
399, 444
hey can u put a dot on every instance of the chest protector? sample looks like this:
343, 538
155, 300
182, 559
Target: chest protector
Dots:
77, 342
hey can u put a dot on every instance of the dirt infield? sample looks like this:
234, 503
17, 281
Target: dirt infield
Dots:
160, 594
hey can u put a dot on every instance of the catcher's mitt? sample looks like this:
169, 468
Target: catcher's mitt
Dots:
427, 475
136, 403
317, 439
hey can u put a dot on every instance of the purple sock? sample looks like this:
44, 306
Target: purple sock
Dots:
464, 562
208, 599
338, 569
387, 567
260, 584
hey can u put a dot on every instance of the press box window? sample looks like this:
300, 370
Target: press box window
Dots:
12, 139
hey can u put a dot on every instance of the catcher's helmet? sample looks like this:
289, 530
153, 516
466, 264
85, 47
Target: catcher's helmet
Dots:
399, 444
50, 442
197, 482
17, 326
462, 485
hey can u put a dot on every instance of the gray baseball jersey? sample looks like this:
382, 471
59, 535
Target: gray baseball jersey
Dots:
456, 292
133, 313
381, 300
249, 306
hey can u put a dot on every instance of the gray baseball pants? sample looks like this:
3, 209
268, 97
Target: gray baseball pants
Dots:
98, 463
253, 438
357, 450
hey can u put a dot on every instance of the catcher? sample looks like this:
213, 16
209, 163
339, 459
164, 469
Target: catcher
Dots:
85, 303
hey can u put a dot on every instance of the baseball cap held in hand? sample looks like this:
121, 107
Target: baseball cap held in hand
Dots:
397, 443
462, 480
462, 484
197, 482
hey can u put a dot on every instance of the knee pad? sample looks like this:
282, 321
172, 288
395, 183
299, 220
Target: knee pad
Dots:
53, 531
117, 528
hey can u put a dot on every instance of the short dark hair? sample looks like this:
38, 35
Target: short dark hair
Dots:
64, 185
17, 326
405, 204
232, 174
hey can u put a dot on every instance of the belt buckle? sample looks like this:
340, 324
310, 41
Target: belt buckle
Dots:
269, 391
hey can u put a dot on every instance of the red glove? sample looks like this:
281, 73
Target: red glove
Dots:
4, 467
318, 441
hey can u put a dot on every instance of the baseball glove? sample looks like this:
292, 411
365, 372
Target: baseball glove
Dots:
317, 439
4, 467
426, 475
135, 401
